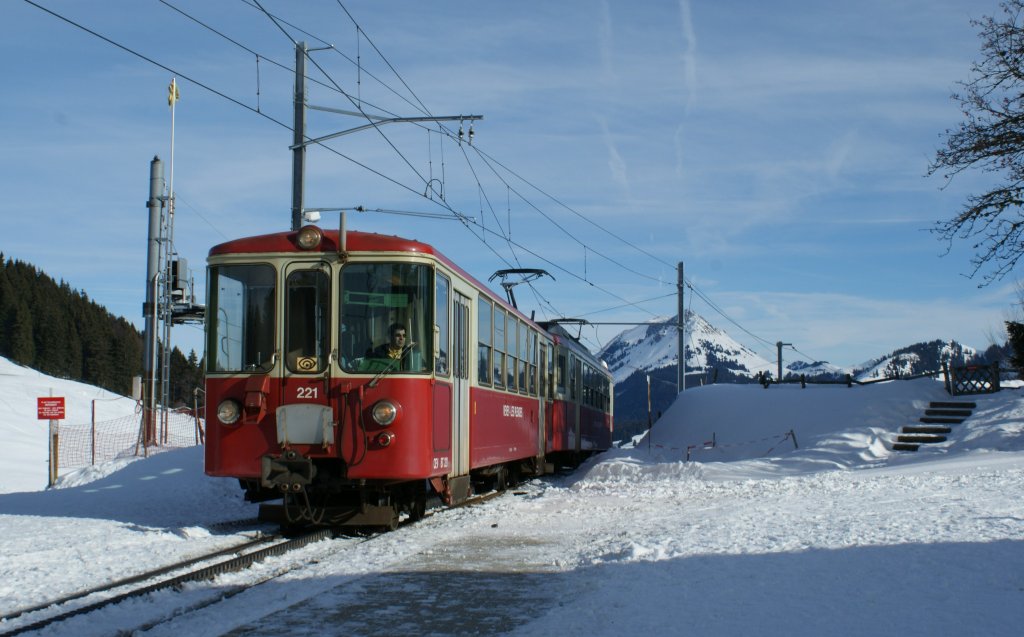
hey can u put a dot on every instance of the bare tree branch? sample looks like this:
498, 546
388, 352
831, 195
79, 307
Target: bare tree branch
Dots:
990, 139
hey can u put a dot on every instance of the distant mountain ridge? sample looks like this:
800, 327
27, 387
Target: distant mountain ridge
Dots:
654, 346
648, 353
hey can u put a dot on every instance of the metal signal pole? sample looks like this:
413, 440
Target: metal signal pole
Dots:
681, 331
149, 356
300, 142
298, 138
780, 345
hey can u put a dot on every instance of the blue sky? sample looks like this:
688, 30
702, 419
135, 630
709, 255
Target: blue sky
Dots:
779, 149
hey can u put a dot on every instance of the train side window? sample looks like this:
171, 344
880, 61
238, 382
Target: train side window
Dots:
550, 386
591, 386
543, 369
574, 377
524, 345
307, 309
441, 293
512, 348
484, 336
560, 375
499, 347
532, 372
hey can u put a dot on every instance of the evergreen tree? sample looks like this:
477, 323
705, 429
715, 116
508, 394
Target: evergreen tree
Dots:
7, 305
22, 347
51, 327
1015, 332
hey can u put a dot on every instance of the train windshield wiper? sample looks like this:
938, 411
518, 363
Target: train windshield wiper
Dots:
391, 365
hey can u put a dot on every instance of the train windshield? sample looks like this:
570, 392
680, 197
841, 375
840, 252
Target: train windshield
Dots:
241, 318
386, 317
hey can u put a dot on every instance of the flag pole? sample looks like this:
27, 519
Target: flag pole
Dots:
172, 98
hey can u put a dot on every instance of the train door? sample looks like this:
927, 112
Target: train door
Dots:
575, 398
543, 399
461, 357
304, 415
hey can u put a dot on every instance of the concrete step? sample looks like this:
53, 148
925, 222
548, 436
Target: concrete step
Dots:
952, 405
904, 446
925, 429
941, 420
955, 413
920, 438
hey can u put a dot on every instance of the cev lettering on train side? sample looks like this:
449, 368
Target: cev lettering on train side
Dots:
512, 411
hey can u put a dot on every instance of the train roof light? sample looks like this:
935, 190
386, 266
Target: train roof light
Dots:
309, 237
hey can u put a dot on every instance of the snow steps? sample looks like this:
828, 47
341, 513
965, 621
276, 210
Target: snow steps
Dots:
925, 429
936, 422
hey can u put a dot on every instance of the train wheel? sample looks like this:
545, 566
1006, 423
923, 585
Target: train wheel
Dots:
514, 476
501, 478
418, 506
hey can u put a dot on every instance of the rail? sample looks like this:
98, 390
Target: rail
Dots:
240, 562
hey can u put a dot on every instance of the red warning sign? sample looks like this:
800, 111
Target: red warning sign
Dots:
50, 408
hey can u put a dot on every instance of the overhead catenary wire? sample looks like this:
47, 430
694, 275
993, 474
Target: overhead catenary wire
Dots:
357, 103
488, 159
333, 85
356, 63
347, 96
492, 163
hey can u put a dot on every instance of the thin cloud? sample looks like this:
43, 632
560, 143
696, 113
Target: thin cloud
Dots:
690, 54
616, 165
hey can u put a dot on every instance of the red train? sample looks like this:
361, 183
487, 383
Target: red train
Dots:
353, 374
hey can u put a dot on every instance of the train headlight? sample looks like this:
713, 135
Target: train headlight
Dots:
309, 237
384, 413
229, 411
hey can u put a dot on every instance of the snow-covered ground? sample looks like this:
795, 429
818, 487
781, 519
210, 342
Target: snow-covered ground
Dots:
838, 537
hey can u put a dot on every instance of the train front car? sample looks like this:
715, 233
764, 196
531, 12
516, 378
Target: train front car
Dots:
353, 375
322, 377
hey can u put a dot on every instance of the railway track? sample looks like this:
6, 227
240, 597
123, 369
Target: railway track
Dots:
246, 554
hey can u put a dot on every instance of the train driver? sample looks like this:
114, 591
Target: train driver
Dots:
399, 348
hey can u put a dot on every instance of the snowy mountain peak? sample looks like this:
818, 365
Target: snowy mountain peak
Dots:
653, 346
715, 355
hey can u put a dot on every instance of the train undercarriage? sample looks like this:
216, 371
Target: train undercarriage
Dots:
297, 492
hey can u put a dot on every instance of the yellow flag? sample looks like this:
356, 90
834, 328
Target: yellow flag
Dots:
172, 93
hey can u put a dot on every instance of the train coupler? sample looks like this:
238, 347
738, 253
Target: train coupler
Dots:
288, 472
